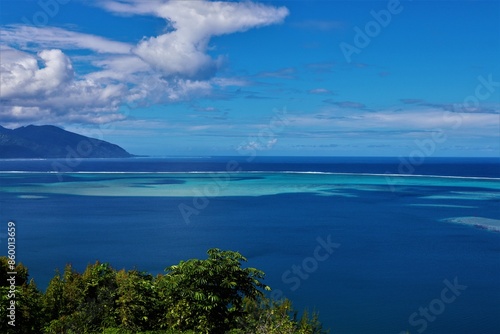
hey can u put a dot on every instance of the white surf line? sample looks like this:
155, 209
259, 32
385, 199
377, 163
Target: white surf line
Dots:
260, 172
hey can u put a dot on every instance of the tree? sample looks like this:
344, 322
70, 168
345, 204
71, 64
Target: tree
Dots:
62, 300
266, 316
100, 293
20, 296
77, 303
64, 293
137, 301
207, 295
213, 296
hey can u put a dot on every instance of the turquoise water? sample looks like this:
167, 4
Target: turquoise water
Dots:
392, 241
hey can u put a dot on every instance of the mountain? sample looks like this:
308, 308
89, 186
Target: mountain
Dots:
49, 141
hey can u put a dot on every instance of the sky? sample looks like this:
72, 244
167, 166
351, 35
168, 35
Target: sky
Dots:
404, 78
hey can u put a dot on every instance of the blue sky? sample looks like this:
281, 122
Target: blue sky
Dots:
326, 78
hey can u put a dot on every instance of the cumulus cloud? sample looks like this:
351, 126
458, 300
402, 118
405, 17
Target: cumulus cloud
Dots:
123, 68
21, 77
38, 76
30, 92
182, 51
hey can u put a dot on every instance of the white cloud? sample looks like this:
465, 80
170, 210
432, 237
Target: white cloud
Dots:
29, 37
21, 77
284, 73
224, 82
397, 123
320, 91
14, 114
256, 145
38, 78
122, 68
183, 50
52, 92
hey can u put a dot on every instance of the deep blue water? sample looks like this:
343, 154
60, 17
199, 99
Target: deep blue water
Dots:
394, 245
486, 167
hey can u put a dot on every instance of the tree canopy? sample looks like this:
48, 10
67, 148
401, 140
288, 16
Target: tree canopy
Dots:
211, 296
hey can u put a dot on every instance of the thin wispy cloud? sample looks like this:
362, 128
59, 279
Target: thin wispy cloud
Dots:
39, 77
211, 72
183, 50
412, 101
35, 38
394, 123
346, 104
284, 73
320, 91
326, 67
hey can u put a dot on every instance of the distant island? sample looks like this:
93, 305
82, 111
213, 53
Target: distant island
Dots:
48, 141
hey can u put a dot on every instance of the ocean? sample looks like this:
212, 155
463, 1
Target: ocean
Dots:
375, 245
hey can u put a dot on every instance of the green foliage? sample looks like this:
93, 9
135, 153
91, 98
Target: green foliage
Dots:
99, 290
207, 295
77, 303
64, 294
267, 316
26, 297
137, 304
216, 295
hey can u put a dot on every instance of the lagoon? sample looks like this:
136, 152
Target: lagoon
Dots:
397, 243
